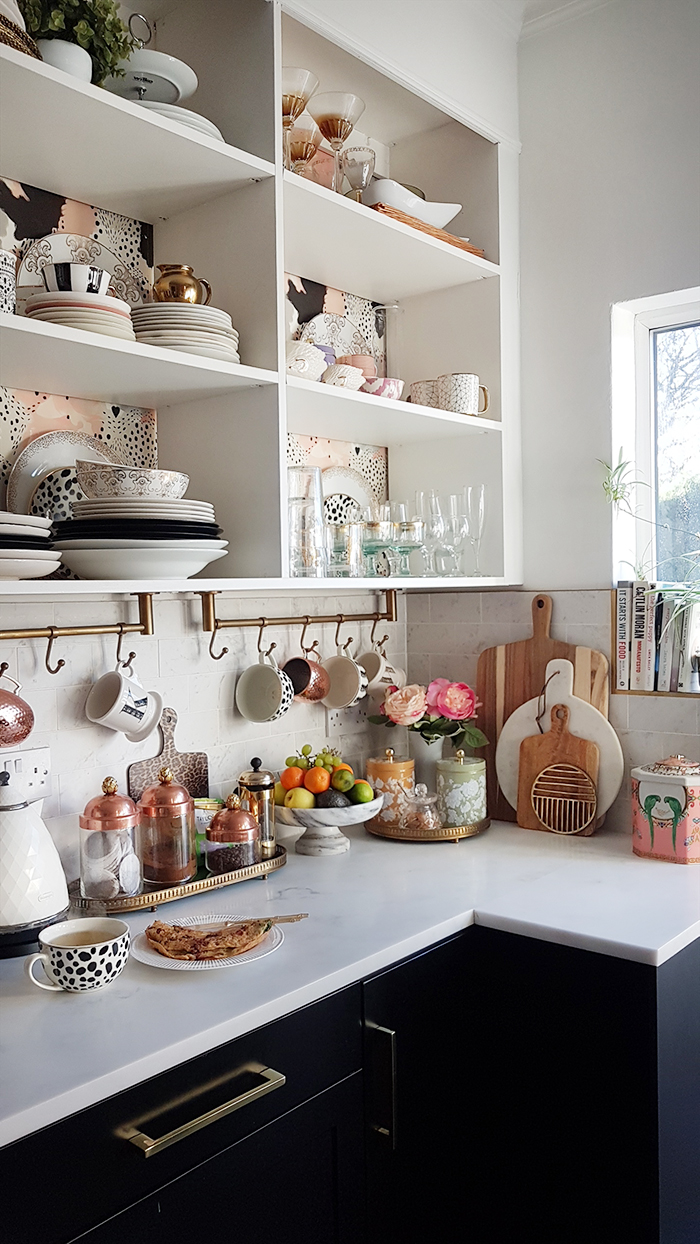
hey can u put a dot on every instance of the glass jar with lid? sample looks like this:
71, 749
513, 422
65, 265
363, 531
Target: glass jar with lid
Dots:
420, 814
109, 863
167, 833
257, 792
233, 839
461, 791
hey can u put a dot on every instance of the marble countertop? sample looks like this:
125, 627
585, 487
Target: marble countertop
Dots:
378, 903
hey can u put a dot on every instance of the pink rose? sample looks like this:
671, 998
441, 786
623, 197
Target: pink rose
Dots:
454, 700
407, 706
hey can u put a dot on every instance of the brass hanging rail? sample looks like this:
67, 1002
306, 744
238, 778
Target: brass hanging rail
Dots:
144, 626
210, 622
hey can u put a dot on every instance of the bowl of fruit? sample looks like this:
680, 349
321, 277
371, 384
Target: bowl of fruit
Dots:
322, 795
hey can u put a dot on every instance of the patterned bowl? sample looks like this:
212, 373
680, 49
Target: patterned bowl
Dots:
102, 479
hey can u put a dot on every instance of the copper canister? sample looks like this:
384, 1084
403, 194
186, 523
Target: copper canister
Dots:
167, 833
257, 791
110, 866
392, 779
233, 839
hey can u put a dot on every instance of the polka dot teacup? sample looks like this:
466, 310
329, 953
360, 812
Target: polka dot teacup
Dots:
81, 954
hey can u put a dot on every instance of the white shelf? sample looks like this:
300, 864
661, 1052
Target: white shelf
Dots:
48, 358
315, 409
108, 151
17, 588
340, 243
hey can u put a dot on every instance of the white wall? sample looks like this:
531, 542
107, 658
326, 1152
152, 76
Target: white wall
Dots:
610, 210
461, 50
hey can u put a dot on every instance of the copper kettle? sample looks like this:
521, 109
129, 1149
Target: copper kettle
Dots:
16, 716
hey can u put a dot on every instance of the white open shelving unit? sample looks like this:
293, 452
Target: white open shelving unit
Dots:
231, 211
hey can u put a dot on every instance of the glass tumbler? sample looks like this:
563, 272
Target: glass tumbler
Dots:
307, 536
344, 547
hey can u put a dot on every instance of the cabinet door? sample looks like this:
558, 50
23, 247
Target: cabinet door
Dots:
419, 1074
297, 1180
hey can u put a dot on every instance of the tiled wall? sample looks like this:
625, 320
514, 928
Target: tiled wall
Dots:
447, 631
176, 663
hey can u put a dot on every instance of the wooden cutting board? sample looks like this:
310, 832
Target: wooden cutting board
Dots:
189, 769
511, 674
554, 767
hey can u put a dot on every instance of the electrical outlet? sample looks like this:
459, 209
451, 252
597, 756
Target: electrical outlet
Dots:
346, 720
30, 771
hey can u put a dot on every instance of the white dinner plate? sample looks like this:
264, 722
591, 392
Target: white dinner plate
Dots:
79, 318
150, 511
225, 356
74, 248
117, 504
142, 950
138, 563
26, 521
182, 311
348, 483
67, 298
52, 451
125, 543
16, 529
190, 337
25, 569
200, 127
185, 116
30, 555
165, 325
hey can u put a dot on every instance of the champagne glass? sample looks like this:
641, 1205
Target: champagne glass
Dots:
298, 85
336, 114
357, 164
428, 510
304, 140
475, 511
458, 530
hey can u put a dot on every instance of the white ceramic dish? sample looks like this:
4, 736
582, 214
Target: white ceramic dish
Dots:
348, 483
75, 248
52, 451
134, 510
30, 555
28, 521
181, 310
146, 505
79, 314
384, 190
69, 300
89, 326
155, 76
203, 546
183, 115
16, 529
193, 335
138, 563
103, 479
224, 356
25, 569
313, 818
142, 950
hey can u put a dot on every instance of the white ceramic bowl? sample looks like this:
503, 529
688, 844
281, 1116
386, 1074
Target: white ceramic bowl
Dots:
315, 818
135, 563
384, 190
103, 479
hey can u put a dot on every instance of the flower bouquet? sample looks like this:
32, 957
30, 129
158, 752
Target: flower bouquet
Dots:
442, 710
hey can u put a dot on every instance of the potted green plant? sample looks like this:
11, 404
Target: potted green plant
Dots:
85, 38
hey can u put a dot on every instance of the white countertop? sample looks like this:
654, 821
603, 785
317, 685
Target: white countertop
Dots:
368, 908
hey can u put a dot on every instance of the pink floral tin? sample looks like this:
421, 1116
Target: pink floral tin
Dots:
666, 811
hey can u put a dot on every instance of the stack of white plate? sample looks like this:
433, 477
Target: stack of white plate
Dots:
185, 117
25, 549
95, 313
187, 326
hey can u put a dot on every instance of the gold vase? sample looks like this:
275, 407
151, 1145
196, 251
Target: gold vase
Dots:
178, 283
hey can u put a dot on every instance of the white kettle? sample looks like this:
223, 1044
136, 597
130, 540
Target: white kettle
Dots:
33, 890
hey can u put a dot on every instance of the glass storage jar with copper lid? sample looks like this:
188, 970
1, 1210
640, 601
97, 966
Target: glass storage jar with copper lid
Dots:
233, 839
167, 833
257, 791
109, 863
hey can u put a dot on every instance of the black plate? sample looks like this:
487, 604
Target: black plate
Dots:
71, 529
23, 542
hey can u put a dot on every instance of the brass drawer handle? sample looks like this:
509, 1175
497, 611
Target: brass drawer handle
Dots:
270, 1080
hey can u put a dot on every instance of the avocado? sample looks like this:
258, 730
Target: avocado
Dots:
332, 799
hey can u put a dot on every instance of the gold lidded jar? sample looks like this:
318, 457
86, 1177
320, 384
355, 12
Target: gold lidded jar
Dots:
461, 791
257, 792
110, 866
392, 779
167, 833
178, 283
233, 839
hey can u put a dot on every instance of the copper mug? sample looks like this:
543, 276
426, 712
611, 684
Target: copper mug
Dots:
178, 283
309, 678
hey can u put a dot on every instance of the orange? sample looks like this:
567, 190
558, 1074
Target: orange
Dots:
292, 777
344, 766
317, 780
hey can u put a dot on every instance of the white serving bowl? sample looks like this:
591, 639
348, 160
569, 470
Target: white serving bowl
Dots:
339, 818
103, 479
138, 563
384, 190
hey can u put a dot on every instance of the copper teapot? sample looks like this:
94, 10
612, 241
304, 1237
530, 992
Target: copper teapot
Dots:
16, 716
178, 283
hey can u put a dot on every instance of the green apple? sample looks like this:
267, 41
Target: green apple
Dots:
361, 792
299, 797
280, 793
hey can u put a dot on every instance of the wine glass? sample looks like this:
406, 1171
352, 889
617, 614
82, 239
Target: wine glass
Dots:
304, 140
376, 538
458, 530
428, 510
298, 85
336, 114
475, 510
357, 164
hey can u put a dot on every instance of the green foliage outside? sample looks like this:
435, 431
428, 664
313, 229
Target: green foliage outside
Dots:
93, 24
678, 549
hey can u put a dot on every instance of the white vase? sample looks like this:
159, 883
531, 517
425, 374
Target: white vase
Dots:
69, 57
425, 757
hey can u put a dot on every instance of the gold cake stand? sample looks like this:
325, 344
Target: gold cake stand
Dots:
448, 833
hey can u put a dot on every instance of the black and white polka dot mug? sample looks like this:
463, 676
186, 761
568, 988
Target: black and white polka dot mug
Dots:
78, 955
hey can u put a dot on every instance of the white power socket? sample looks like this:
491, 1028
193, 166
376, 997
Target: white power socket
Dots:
30, 771
346, 720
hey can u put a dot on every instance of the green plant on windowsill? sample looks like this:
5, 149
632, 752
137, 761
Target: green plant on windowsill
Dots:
94, 25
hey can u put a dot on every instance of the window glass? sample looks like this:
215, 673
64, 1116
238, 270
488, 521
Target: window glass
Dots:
676, 381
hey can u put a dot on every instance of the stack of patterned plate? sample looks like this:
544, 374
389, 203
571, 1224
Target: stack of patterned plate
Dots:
25, 548
187, 326
139, 538
95, 313
185, 117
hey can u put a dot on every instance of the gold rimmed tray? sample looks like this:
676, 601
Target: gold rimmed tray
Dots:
152, 898
451, 833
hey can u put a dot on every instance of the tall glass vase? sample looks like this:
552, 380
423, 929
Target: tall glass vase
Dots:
425, 757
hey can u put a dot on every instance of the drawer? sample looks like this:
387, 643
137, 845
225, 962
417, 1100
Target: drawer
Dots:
88, 1168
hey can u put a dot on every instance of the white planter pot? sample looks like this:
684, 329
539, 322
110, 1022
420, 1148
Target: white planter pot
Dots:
425, 757
69, 57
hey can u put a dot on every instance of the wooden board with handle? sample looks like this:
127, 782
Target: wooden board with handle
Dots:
189, 769
563, 796
512, 674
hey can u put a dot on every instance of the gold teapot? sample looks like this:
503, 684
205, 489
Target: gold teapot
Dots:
179, 284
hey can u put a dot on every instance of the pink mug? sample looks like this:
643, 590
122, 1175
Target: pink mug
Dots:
365, 362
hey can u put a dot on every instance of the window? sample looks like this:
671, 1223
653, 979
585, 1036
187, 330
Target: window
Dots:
656, 430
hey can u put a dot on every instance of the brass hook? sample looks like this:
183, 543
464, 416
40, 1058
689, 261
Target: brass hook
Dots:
52, 635
4, 666
341, 619
131, 657
216, 656
304, 629
263, 624
380, 642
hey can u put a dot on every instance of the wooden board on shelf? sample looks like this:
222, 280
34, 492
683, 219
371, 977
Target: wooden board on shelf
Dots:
440, 234
511, 674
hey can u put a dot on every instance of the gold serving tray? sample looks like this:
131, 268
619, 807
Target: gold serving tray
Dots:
151, 899
452, 833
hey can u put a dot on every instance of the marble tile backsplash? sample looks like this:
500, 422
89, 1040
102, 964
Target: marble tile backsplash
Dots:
176, 663
446, 632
